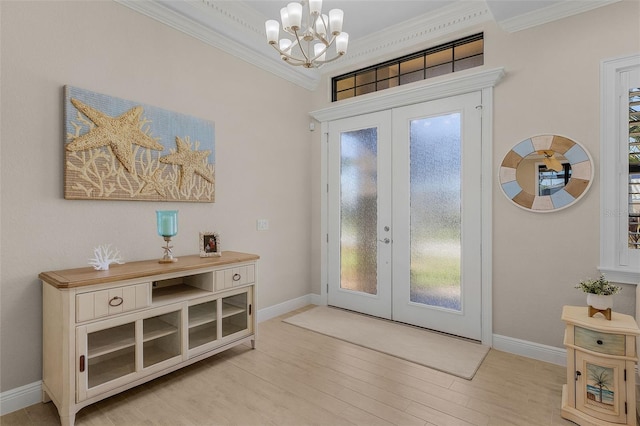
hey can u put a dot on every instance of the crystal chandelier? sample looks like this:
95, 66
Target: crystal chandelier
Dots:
312, 37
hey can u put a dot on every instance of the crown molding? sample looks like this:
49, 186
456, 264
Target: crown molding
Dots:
228, 26
238, 30
551, 13
415, 34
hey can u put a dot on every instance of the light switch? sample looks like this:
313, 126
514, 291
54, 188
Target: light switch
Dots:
262, 224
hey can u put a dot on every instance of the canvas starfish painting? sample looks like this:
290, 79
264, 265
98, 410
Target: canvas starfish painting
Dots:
117, 149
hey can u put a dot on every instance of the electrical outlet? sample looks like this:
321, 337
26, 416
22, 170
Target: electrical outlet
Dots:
262, 224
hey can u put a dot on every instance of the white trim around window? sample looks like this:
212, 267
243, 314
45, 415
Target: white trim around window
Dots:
619, 263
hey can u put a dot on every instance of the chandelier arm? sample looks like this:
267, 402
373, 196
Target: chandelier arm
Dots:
323, 40
292, 60
306, 58
319, 63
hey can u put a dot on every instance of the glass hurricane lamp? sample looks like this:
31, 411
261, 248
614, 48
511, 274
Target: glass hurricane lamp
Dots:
167, 221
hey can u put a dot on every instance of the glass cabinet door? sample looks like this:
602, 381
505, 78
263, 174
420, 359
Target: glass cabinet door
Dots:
106, 356
110, 354
161, 340
203, 324
237, 314
114, 352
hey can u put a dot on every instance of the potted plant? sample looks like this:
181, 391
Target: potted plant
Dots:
599, 292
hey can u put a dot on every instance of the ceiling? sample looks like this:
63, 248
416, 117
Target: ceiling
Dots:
378, 29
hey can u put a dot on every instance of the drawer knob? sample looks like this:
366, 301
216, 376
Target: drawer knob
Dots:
599, 341
236, 277
116, 301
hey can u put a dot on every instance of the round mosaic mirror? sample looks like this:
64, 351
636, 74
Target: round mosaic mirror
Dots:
546, 173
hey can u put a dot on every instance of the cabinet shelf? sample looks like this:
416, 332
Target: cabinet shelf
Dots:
176, 293
202, 314
117, 338
155, 328
229, 329
157, 356
229, 310
202, 335
117, 366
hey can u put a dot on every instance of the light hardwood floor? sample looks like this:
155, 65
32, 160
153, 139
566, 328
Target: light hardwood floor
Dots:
298, 377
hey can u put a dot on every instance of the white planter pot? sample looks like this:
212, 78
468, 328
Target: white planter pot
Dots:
599, 301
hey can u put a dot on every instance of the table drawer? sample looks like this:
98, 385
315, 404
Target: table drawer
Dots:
234, 277
611, 344
113, 301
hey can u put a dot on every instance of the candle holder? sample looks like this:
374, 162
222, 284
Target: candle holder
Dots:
167, 227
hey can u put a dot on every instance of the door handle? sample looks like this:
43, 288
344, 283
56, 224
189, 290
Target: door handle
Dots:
386, 241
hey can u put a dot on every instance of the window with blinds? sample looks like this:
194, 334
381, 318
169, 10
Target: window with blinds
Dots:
446, 58
634, 168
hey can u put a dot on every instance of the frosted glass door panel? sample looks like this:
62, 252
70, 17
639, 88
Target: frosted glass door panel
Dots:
437, 198
358, 210
435, 191
359, 214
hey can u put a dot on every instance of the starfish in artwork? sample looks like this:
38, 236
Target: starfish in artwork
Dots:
154, 183
191, 162
119, 133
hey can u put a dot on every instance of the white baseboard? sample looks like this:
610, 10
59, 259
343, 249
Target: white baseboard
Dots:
22, 397
532, 350
288, 306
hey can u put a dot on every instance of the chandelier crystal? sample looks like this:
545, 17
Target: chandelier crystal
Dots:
313, 34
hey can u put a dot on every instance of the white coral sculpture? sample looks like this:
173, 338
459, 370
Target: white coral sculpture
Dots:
104, 257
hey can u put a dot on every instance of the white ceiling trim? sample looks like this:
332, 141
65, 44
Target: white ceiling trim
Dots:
550, 13
413, 35
219, 27
239, 30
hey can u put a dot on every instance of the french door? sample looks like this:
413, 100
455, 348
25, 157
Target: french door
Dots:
404, 217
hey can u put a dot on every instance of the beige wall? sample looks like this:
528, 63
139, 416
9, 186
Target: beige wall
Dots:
262, 163
551, 86
266, 165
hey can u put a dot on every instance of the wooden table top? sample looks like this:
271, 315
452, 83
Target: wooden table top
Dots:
78, 277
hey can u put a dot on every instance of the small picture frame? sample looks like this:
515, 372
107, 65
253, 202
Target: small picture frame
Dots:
209, 243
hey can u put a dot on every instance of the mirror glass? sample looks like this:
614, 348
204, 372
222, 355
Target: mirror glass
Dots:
546, 173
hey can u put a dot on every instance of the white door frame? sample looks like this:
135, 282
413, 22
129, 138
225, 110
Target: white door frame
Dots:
465, 320
379, 303
424, 91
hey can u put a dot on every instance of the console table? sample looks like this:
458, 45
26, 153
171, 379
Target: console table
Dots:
107, 331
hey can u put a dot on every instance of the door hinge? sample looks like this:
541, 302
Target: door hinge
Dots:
327, 287
82, 363
625, 407
625, 374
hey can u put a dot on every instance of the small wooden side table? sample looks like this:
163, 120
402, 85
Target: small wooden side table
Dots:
601, 358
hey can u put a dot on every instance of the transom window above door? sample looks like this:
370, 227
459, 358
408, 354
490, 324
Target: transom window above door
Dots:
446, 58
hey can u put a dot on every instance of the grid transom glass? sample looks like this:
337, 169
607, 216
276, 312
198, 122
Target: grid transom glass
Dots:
446, 58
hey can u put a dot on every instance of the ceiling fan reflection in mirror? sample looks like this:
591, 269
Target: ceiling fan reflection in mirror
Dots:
550, 160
